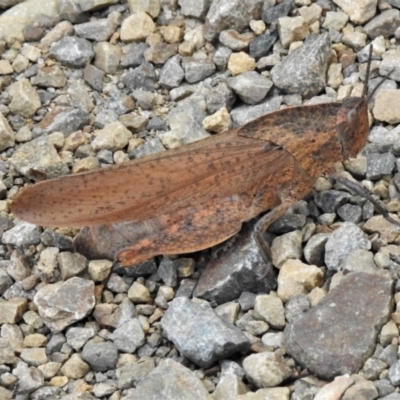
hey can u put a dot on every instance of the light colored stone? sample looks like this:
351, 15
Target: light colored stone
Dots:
137, 27
292, 29
359, 11
217, 122
386, 106
296, 277
241, 62
335, 389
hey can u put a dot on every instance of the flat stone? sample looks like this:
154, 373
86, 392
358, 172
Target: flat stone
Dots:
328, 349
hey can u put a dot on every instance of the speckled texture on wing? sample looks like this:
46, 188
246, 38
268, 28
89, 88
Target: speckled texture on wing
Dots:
216, 167
308, 133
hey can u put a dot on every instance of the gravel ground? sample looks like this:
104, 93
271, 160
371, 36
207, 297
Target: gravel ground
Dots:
91, 83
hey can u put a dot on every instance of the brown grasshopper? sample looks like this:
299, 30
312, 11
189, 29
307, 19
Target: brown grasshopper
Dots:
197, 196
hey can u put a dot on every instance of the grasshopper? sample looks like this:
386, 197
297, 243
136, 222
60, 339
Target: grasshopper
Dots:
197, 196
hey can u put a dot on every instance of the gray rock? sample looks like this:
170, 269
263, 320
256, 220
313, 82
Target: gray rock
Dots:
261, 45
197, 70
287, 223
221, 57
183, 324
220, 96
236, 267
78, 336
250, 86
142, 77
128, 336
187, 120
101, 356
350, 213
327, 349
170, 381
152, 146
167, 272
29, 378
132, 374
63, 303
243, 114
73, 52
394, 374
270, 15
94, 77
62, 119
22, 235
171, 73
228, 14
304, 70
379, 165
71, 264
133, 54
99, 30
384, 387
196, 9
330, 200
342, 242
383, 24
296, 306
314, 251
38, 157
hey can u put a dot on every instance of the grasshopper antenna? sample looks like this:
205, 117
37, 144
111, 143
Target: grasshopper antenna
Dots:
367, 75
365, 89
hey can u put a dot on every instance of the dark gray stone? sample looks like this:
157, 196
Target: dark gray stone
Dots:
270, 15
261, 45
338, 335
329, 200
238, 267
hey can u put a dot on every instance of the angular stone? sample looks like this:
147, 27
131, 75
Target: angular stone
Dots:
183, 324
172, 378
338, 335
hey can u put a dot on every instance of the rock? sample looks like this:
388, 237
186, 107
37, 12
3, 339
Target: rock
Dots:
137, 27
343, 241
302, 73
101, 356
63, 303
172, 378
383, 106
183, 324
237, 268
38, 156
319, 345
250, 86
25, 99
6, 134
266, 369
360, 11
73, 52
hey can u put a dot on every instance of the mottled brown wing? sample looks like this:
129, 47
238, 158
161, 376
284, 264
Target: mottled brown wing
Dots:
218, 166
308, 133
